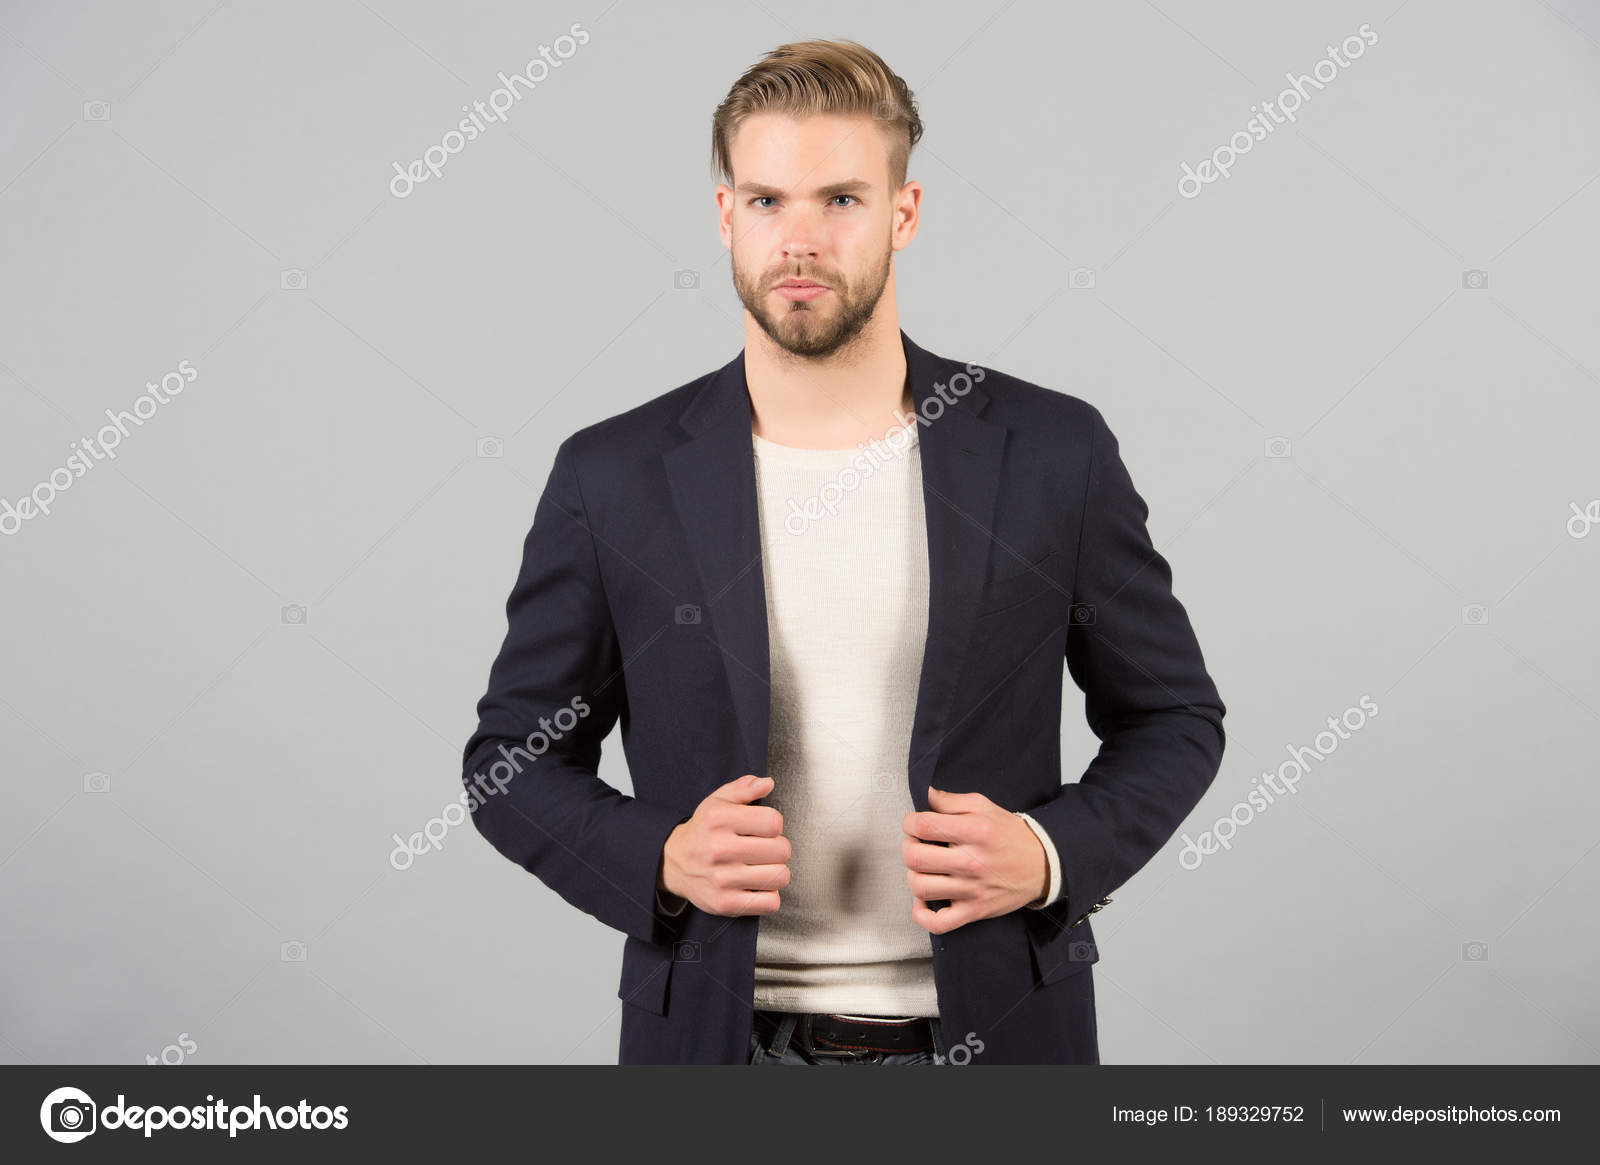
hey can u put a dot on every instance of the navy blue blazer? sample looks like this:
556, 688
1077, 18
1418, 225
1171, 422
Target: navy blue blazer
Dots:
641, 600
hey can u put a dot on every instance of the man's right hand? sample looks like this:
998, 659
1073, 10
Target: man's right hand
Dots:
729, 858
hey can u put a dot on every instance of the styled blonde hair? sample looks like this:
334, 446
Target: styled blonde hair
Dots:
820, 77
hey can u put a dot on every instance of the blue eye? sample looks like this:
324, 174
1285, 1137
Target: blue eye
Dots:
762, 198
851, 197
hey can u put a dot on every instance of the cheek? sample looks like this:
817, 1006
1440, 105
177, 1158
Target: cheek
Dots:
862, 250
754, 247
754, 232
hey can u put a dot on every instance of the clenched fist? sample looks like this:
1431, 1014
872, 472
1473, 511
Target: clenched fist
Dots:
965, 848
729, 858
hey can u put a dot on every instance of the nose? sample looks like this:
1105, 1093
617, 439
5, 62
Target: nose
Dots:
799, 249
800, 235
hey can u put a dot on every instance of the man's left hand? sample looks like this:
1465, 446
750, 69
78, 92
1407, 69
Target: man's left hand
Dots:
992, 863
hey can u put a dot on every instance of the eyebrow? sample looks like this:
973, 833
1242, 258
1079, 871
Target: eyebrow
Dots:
833, 189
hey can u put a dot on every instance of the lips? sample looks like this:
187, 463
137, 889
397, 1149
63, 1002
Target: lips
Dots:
800, 290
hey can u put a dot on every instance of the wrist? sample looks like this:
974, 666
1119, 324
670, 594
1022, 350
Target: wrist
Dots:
663, 864
1047, 877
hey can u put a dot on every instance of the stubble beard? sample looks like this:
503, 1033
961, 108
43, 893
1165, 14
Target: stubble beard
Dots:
802, 329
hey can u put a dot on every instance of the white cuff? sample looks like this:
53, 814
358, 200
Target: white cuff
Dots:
1052, 859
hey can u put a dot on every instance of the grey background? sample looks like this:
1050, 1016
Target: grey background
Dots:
328, 456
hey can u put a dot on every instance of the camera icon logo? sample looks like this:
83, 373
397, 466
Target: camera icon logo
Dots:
294, 613
293, 279
96, 111
68, 1115
1474, 280
1082, 614
96, 783
1277, 447
491, 447
884, 110
686, 280
1474, 952
686, 951
1475, 614
686, 614
1081, 279
292, 952
1081, 952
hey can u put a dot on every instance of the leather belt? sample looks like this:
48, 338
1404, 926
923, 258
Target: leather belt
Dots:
830, 1034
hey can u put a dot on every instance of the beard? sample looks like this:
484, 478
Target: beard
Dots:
818, 328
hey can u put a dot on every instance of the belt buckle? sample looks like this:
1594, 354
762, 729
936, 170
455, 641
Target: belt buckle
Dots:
859, 1055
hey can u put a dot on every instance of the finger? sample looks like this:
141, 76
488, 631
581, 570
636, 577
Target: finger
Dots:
944, 802
930, 826
766, 877
932, 887
752, 902
936, 859
940, 921
743, 789
751, 820
736, 849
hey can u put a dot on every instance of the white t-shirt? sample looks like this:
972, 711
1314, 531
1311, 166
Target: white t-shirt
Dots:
845, 560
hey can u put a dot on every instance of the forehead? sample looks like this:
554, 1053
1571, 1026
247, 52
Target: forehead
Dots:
782, 150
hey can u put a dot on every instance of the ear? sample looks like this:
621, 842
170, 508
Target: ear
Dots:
725, 215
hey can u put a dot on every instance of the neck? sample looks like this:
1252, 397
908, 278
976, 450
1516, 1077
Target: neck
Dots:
834, 401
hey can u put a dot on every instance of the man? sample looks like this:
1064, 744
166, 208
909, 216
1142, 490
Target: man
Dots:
828, 590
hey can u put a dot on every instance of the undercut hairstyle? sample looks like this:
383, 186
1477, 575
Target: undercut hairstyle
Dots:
811, 77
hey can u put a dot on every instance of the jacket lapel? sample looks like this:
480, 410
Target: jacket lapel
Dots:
961, 464
713, 485
713, 481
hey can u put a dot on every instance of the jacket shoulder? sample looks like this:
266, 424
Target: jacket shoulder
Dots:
644, 428
1031, 407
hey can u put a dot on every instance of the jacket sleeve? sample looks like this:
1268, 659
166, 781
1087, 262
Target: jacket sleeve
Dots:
1147, 697
555, 691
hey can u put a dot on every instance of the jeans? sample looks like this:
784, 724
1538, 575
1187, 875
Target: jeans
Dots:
787, 1048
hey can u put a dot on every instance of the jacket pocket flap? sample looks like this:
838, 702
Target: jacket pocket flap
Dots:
1058, 950
646, 970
